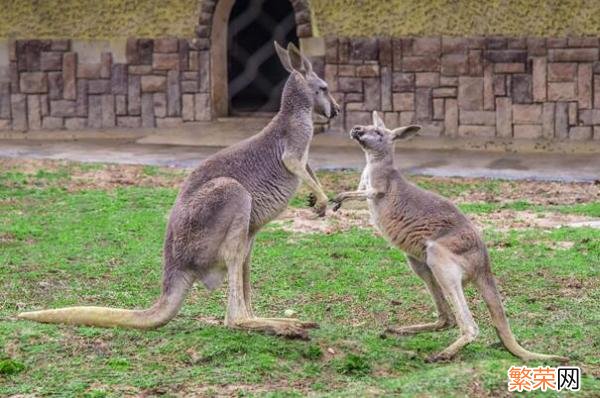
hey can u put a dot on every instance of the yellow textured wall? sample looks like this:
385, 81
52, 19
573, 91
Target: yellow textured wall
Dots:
102, 19
97, 19
457, 17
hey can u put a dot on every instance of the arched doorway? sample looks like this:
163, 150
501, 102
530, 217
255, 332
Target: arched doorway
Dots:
255, 76
213, 33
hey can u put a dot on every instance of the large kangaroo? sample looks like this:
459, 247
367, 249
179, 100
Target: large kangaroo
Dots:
443, 247
221, 207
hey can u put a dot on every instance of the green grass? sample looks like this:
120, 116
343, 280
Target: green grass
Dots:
103, 247
586, 209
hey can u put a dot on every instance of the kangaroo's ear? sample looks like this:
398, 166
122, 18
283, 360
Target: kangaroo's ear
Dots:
284, 57
377, 122
299, 61
307, 64
402, 133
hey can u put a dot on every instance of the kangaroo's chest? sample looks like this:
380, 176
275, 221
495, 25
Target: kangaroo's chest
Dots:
271, 195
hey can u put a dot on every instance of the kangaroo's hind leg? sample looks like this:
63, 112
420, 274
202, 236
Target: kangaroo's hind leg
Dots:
247, 281
238, 316
248, 294
445, 317
235, 253
448, 273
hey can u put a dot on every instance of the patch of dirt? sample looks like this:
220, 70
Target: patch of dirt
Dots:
210, 320
12, 348
507, 219
112, 176
237, 390
534, 192
470, 190
79, 345
304, 220
103, 176
79, 176
476, 389
31, 166
592, 370
575, 288
46, 288
6, 237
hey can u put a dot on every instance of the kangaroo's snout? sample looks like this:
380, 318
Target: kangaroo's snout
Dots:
356, 133
334, 108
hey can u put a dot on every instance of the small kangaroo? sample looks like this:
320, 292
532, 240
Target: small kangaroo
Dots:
443, 247
220, 208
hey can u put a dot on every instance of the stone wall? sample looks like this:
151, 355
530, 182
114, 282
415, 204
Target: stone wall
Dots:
482, 87
522, 88
161, 82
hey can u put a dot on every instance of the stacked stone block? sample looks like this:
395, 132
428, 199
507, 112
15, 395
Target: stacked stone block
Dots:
522, 88
163, 82
482, 87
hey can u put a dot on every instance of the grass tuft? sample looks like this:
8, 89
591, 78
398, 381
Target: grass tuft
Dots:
10, 367
354, 365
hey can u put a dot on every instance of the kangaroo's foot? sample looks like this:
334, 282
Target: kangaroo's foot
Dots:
290, 328
451, 351
303, 324
440, 324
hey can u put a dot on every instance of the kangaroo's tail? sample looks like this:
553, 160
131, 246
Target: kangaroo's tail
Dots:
166, 307
488, 289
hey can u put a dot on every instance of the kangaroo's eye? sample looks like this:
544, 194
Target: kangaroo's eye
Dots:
323, 89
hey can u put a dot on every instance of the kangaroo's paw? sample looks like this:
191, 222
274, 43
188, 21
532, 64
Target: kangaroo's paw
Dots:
320, 209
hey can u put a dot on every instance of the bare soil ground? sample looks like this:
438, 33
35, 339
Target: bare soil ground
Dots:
304, 221
76, 176
461, 190
469, 190
534, 192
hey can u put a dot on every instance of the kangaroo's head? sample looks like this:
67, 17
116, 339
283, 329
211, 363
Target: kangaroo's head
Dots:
310, 86
376, 139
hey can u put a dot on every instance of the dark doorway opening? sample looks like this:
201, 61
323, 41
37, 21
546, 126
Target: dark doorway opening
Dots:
255, 74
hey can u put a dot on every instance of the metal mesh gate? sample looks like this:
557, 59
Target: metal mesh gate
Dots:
255, 74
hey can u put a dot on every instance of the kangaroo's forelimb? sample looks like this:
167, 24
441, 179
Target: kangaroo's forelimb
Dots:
312, 198
299, 168
353, 195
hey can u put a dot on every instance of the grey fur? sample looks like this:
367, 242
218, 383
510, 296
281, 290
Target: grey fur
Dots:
221, 207
443, 247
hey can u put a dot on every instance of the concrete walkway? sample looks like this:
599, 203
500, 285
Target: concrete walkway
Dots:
187, 147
